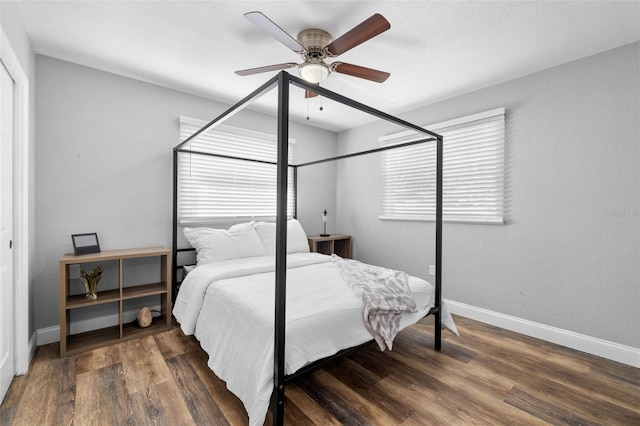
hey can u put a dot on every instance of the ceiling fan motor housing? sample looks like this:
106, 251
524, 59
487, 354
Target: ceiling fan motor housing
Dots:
314, 40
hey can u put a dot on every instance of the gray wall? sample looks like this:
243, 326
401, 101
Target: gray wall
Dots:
15, 30
569, 253
103, 164
567, 256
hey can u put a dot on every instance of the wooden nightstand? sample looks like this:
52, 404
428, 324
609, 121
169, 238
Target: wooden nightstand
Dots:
116, 297
333, 244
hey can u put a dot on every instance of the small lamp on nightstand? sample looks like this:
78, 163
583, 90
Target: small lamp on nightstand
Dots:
324, 224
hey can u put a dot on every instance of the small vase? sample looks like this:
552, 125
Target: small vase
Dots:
91, 281
91, 287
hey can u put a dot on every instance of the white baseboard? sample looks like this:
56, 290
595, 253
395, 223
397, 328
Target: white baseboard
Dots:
591, 345
52, 334
23, 367
32, 347
48, 335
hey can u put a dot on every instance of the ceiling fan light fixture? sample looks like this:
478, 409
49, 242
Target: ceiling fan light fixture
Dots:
314, 72
315, 45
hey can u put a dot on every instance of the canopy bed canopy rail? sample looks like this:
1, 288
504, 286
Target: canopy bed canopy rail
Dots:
282, 81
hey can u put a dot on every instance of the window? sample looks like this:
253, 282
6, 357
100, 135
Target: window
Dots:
219, 189
473, 169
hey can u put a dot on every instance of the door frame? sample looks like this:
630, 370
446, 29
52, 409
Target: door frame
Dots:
21, 269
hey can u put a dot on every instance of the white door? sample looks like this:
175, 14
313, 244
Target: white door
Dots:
6, 231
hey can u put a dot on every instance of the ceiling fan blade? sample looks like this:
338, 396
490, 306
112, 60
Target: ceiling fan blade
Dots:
276, 67
266, 24
310, 94
370, 28
360, 72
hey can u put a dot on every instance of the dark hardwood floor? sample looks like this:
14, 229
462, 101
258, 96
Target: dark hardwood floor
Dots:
488, 376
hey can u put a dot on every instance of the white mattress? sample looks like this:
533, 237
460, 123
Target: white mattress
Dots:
229, 306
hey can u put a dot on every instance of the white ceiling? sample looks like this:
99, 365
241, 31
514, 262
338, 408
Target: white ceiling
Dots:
434, 50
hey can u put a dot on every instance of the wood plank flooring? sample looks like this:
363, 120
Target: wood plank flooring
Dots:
488, 376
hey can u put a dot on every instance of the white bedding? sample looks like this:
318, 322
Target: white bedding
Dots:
229, 306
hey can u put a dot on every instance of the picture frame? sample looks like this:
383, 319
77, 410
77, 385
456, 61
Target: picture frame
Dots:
85, 243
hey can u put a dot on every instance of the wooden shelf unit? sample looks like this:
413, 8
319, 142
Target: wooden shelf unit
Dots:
333, 244
74, 343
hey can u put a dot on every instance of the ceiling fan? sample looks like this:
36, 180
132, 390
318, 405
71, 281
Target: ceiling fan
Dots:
315, 45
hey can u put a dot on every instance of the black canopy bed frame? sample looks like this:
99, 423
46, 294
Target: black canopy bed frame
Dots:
282, 82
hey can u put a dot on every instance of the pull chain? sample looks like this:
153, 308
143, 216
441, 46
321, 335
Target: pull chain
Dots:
309, 100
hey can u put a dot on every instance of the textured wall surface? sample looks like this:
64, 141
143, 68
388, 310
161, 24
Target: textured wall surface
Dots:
568, 255
103, 161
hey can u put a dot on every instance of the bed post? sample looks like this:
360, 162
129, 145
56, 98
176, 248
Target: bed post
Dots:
295, 192
438, 301
174, 252
281, 250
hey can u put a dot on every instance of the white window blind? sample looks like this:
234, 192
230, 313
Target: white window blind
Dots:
473, 172
218, 189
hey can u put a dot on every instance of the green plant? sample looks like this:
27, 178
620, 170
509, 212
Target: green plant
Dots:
91, 281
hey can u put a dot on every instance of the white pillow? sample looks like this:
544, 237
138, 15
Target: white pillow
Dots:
242, 225
267, 234
296, 237
215, 245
